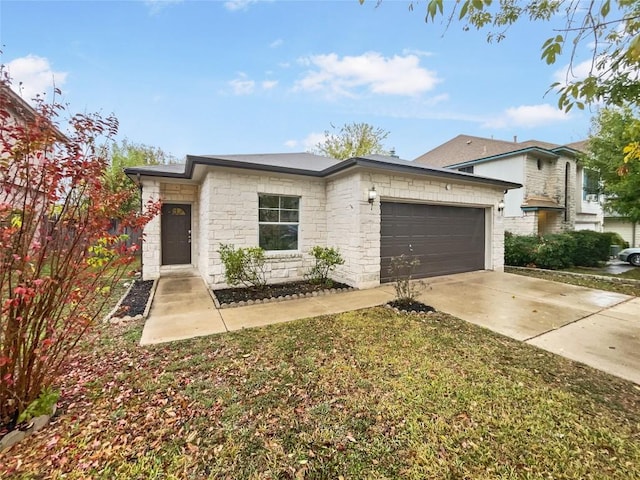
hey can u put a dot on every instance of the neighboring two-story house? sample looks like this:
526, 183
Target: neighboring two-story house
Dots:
557, 195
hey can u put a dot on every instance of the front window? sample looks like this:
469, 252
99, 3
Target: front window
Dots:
278, 220
590, 185
468, 169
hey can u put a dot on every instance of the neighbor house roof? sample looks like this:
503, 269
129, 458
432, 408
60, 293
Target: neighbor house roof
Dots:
467, 149
16, 106
307, 164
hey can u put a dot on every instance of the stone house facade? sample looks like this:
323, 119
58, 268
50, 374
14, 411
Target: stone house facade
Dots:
557, 194
289, 203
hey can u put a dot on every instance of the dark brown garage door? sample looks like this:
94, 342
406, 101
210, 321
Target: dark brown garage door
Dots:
445, 239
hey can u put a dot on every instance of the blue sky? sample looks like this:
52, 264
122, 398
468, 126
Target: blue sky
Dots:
225, 77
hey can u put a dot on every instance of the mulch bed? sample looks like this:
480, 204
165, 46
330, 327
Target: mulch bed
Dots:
244, 294
417, 307
136, 300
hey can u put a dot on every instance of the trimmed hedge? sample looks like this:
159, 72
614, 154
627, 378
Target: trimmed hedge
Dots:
583, 248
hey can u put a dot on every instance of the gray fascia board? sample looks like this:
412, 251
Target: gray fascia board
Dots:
345, 164
540, 151
440, 173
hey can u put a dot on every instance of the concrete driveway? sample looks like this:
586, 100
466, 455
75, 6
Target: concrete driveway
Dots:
600, 329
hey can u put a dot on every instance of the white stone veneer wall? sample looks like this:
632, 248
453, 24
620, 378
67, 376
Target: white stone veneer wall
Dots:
151, 239
231, 203
344, 227
334, 212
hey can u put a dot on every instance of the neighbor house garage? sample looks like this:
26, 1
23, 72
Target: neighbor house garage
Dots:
371, 209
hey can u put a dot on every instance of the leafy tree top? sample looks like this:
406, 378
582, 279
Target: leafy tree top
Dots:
352, 140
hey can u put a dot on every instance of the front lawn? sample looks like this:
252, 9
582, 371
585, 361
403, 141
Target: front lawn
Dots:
365, 394
625, 283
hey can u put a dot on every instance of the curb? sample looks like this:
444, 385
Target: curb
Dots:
629, 281
295, 296
17, 435
108, 316
152, 294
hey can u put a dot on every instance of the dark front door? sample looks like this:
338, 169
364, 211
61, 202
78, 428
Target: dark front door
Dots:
176, 234
445, 239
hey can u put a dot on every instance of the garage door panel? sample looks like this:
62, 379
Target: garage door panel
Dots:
445, 239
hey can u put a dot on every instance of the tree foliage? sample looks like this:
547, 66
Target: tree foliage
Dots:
127, 154
352, 140
612, 131
58, 261
610, 29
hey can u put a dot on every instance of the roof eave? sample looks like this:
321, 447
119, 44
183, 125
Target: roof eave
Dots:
135, 173
539, 151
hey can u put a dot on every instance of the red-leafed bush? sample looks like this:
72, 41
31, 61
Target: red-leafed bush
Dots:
58, 259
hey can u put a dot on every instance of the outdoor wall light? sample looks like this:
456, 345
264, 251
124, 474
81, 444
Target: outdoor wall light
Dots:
372, 194
501, 205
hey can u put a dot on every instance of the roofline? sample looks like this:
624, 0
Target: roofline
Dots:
192, 161
29, 113
541, 151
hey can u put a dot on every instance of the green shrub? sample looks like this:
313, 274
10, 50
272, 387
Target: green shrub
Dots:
550, 251
592, 248
43, 405
519, 250
326, 260
555, 251
243, 265
616, 239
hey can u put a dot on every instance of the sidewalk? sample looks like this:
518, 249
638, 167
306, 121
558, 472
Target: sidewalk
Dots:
183, 308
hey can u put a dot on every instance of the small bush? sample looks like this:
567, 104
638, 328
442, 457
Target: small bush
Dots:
520, 250
326, 260
243, 265
615, 239
555, 251
402, 269
43, 405
592, 248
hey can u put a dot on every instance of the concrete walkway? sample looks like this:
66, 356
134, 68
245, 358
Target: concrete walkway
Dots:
600, 329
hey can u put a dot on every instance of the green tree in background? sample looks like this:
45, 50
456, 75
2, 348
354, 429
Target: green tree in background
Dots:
127, 154
612, 130
352, 140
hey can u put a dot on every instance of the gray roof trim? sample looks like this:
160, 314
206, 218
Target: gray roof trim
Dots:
409, 167
538, 150
567, 150
380, 162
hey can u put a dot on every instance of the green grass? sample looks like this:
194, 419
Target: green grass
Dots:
625, 283
365, 394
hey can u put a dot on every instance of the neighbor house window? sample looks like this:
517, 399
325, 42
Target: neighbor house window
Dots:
278, 220
590, 185
468, 169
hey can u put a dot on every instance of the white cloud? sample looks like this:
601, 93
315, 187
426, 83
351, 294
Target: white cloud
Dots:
528, 116
156, 6
419, 53
35, 75
308, 143
397, 75
276, 43
269, 84
242, 85
236, 5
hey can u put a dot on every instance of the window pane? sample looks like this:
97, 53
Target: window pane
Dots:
268, 201
290, 203
289, 216
279, 237
265, 215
